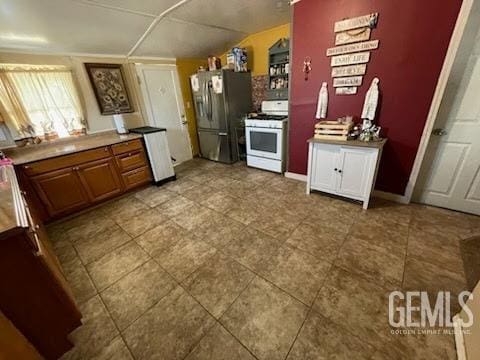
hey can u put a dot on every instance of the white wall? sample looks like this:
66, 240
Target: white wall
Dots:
96, 122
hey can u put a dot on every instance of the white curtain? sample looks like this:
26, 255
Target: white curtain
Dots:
48, 97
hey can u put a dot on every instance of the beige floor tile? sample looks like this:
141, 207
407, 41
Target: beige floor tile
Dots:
322, 339
113, 266
97, 331
176, 206
220, 202
125, 208
160, 238
321, 242
96, 246
143, 222
79, 280
252, 249
199, 193
220, 231
349, 299
135, 293
372, 262
423, 276
298, 273
194, 218
170, 330
244, 211
217, 283
154, 195
391, 236
218, 344
116, 350
180, 185
186, 256
87, 226
265, 319
276, 225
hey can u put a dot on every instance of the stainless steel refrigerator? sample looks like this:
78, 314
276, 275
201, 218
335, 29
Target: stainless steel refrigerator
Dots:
221, 98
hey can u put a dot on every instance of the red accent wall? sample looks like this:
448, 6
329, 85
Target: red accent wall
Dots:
414, 37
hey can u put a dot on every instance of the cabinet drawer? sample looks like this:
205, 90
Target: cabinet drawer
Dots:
131, 160
136, 177
65, 161
127, 146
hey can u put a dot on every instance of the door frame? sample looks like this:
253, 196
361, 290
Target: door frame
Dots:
439, 93
145, 101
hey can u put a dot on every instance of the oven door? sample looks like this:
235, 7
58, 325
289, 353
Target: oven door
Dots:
264, 142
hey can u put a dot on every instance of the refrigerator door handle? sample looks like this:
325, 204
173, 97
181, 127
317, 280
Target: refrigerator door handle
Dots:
210, 102
222, 134
205, 99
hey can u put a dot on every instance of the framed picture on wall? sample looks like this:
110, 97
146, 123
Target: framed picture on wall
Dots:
109, 87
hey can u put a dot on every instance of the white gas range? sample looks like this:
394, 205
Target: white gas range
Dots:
266, 135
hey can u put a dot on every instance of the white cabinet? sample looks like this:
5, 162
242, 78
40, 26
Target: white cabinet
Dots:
346, 169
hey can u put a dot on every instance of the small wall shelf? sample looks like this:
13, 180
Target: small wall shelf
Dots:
279, 70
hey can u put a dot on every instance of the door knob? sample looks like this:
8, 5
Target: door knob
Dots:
439, 132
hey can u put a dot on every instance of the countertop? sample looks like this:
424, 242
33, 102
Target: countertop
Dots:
12, 211
31, 153
370, 144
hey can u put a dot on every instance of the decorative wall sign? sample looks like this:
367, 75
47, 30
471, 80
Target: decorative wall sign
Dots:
351, 70
346, 49
358, 58
352, 36
351, 53
346, 90
358, 22
109, 87
347, 81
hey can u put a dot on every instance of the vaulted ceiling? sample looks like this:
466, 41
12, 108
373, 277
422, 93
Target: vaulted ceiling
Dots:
151, 28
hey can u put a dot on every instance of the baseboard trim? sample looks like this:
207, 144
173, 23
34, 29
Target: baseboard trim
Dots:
459, 340
295, 176
402, 199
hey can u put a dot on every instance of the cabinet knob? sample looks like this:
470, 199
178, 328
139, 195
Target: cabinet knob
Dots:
129, 154
26, 167
126, 144
340, 171
106, 149
335, 169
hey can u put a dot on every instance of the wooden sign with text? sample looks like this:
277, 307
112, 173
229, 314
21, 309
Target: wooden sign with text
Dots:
347, 81
353, 36
346, 49
358, 58
350, 70
346, 90
357, 22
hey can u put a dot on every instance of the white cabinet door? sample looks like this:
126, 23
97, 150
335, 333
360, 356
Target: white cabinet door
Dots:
356, 168
324, 163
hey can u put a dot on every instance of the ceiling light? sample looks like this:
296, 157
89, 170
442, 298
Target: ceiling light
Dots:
23, 38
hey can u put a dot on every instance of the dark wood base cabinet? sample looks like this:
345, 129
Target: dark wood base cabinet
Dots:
69, 183
34, 294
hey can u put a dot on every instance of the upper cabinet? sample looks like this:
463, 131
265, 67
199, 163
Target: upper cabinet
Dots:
279, 70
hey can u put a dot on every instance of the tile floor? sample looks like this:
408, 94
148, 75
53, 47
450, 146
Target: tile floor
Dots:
235, 263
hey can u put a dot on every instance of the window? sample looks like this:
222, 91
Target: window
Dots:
41, 101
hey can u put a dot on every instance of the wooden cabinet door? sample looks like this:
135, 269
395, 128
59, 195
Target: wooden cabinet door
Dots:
100, 179
61, 191
324, 162
356, 172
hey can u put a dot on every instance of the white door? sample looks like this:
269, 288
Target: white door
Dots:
450, 175
164, 106
354, 171
324, 162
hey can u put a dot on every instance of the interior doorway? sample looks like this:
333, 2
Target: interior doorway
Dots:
450, 174
163, 103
